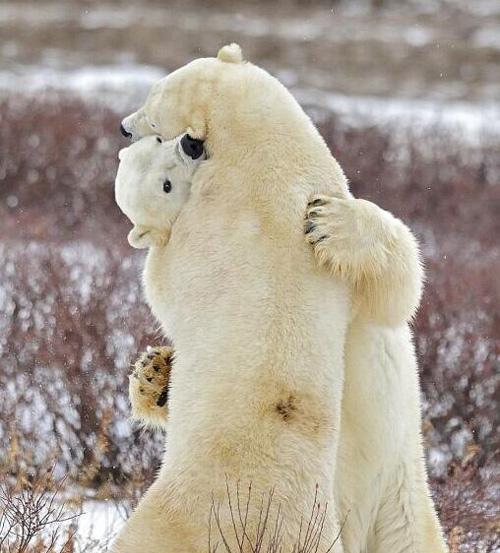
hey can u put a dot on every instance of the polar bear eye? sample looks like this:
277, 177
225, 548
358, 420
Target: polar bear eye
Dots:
167, 186
158, 139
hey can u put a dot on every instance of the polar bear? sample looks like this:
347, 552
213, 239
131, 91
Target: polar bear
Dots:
262, 329
152, 184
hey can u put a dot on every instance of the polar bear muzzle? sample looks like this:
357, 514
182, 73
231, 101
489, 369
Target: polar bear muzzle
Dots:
124, 131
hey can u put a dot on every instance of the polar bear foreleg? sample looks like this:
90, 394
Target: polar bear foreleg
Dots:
373, 251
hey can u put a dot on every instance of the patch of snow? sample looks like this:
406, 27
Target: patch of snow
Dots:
418, 36
116, 85
487, 37
90, 78
32, 14
470, 123
480, 7
332, 25
438, 459
99, 522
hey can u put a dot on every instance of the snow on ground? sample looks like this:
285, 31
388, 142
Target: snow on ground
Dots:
99, 522
291, 27
471, 122
118, 87
92, 527
124, 87
288, 26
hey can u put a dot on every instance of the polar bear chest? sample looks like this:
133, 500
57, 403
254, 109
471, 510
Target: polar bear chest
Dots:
229, 293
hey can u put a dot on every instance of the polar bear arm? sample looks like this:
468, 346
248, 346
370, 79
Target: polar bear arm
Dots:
373, 250
148, 387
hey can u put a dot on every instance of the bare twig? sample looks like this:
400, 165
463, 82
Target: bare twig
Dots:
267, 534
31, 518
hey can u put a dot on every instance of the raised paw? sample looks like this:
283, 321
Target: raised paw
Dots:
148, 385
342, 233
371, 250
330, 225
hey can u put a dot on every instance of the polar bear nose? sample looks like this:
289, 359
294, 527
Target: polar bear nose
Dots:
192, 147
124, 131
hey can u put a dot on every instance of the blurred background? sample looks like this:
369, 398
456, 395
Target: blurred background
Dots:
406, 95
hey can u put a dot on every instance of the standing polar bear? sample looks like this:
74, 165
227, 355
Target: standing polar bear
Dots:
261, 329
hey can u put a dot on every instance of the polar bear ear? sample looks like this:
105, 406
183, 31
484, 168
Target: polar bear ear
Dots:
146, 237
231, 53
121, 153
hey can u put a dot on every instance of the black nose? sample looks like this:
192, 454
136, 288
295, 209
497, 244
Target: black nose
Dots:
192, 147
125, 133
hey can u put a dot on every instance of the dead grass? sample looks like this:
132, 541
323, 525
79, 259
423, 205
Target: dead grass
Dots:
72, 317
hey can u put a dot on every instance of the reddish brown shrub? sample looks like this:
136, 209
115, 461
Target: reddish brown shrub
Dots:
72, 317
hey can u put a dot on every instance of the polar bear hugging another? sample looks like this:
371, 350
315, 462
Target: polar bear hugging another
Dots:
256, 320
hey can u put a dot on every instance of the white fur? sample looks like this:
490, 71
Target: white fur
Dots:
373, 251
139, 187
256, 321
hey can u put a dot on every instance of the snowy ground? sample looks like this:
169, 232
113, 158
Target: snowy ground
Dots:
98, 523
447, 50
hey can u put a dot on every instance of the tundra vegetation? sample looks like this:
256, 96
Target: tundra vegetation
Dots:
72, 316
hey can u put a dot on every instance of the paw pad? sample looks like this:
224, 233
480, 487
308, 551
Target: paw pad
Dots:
148, 384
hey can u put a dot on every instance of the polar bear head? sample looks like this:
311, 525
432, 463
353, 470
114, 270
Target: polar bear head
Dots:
184, 100
246, 118
153, 183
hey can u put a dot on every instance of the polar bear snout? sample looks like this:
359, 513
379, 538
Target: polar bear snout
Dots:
124, 131
135, 126
192, 147
127, 127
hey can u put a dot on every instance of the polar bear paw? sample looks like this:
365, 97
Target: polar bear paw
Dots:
148, 386
371, 250
344, 234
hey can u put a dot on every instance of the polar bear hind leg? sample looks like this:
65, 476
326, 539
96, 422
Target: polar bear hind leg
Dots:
407, 521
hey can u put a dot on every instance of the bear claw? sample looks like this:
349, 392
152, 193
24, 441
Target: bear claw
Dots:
317, 202
309, 227
163, 398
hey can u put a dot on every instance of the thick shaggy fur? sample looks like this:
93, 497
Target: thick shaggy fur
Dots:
371, 250
145, 167
258, 323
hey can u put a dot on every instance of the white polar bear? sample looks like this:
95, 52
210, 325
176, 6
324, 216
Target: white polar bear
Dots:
353, 238
152, 184
261, 330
